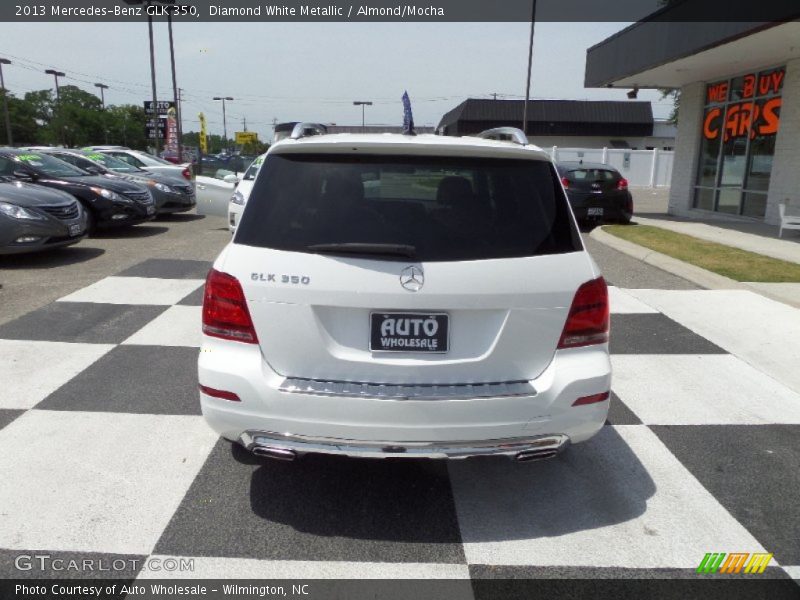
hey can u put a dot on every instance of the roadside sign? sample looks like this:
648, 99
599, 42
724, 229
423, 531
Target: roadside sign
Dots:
157, 126
246, 137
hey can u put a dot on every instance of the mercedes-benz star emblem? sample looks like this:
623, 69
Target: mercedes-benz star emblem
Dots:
412, 279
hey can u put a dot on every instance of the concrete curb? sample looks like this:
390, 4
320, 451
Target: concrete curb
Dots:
696, 275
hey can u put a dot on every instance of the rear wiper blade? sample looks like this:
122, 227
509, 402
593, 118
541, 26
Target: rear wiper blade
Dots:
362, 248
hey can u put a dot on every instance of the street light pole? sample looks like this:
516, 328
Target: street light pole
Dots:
530, 65
56, 75
103, 87
224, 119
5, 61
362, 104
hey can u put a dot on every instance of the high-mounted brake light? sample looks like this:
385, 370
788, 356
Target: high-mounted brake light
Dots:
588, 319
225, 313
565, 182
622, 184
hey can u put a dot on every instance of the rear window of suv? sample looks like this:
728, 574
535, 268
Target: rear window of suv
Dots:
444, 208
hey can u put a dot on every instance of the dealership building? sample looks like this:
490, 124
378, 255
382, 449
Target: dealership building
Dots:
737, 149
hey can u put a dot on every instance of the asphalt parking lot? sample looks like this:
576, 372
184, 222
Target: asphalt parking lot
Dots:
101, 437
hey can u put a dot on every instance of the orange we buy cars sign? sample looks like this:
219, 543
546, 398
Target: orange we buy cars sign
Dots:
747, 113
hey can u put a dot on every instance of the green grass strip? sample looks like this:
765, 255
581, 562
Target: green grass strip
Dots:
739, 265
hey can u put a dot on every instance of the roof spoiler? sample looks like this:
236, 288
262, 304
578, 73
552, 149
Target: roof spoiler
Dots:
302, 130
505, 134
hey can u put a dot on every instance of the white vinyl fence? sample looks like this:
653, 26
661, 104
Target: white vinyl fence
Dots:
643, 168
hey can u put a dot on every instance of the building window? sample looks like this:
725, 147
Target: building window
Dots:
740, 124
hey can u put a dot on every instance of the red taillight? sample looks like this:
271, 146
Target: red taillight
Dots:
565, 182
593, 399
588, 318
187, 173
225, 313
622, 184
222, 394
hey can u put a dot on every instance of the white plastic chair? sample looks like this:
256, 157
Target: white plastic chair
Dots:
787, 221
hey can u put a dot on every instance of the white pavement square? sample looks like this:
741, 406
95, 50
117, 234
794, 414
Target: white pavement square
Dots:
247, 568
623, 303
96, 482
177, 326
31, 371
620, 500
703, 389
758, 330
136, 290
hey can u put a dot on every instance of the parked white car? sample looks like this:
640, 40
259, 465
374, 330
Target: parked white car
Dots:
406, 296
214, 194
242, 193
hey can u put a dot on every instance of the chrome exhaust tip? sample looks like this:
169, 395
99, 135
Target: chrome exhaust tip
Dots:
276, 453
532, 455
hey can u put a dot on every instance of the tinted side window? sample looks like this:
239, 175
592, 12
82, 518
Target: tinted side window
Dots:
447, 208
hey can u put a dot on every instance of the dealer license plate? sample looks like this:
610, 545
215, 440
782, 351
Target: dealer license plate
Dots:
151, 210
595, 212
75, 229
409, 332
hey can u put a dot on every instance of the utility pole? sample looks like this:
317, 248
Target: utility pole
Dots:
103, 87
155, 114
175, 88
5, 61
530, 64
244, 123
494, 96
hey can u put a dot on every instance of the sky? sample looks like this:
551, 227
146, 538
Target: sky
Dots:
311, 71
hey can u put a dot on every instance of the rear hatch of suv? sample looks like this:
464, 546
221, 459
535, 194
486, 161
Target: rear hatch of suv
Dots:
402, 269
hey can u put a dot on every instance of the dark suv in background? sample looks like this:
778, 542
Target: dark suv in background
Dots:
596, 192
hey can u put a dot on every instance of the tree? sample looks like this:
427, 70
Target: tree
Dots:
675, 95
24, 127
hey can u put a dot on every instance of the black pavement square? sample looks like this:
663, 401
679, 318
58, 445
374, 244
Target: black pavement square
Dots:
165, 268
753, 471
51, 564
490, 582
620, 414
8, 415
316, 508
656, 334
195, 298
85, 322
134, 379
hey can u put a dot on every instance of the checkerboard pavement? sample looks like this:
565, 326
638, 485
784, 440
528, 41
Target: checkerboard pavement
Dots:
104, 453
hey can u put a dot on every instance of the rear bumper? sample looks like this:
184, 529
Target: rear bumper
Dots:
288, 447
360, 425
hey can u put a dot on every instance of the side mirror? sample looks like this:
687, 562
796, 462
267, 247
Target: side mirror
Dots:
230, 178
24, 175
94, 170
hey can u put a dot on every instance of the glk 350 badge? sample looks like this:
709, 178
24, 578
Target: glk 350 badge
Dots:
275, 278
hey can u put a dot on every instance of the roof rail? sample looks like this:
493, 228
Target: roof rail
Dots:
505, 134
302, 130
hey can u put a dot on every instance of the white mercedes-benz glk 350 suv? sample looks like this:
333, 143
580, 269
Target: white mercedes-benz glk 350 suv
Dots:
406, 296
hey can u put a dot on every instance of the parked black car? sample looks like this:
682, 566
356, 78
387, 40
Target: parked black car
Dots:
596, 192
171, 195
35, 218
108, 202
